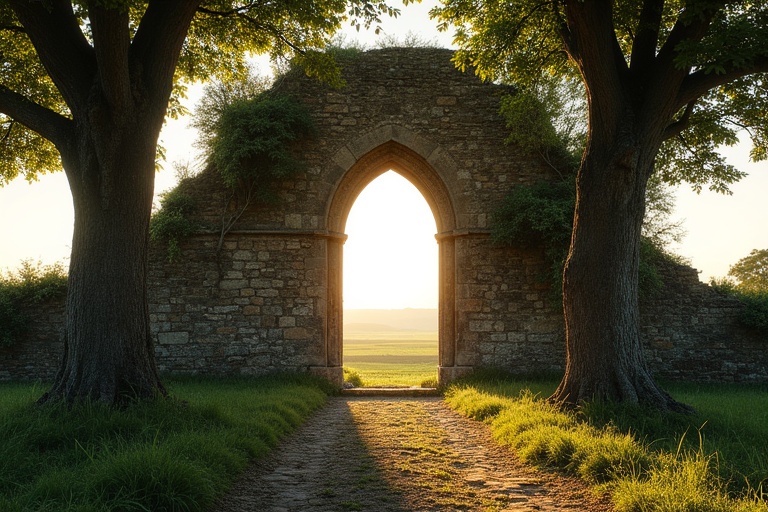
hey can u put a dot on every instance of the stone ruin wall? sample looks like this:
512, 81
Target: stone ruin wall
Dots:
690, 332
266, 297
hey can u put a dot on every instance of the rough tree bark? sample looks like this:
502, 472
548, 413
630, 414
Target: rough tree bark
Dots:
604, 356
630, 110
108, 350
117, 87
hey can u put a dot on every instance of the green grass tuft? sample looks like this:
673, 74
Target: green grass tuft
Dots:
648, 460
176, 454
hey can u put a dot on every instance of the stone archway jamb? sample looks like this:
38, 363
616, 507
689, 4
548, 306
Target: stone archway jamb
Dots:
425, 164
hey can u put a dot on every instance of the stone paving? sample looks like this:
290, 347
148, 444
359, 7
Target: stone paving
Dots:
397, 454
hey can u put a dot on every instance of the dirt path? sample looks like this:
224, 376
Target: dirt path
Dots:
399, 454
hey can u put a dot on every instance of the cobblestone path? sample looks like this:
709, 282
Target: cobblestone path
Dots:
399, 454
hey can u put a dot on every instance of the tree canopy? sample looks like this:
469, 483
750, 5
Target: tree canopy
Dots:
723, 45
751, 272
222, 36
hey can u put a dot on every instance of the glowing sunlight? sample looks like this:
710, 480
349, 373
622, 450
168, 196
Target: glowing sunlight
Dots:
390, 257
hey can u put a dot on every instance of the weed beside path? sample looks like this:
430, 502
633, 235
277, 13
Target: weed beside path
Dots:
399, 454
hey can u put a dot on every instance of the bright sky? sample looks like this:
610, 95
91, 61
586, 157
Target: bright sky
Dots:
37, 219
390, 257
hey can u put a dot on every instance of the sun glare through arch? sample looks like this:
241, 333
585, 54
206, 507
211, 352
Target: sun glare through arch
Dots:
391, 255
390, 292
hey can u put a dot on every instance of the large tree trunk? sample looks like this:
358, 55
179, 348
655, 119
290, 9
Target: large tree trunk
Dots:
116, 82
108, 351
605, 359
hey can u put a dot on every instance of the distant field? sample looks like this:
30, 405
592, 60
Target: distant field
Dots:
392, 358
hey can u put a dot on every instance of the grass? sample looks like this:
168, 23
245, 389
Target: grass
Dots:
175, 454
393, 358
713, 461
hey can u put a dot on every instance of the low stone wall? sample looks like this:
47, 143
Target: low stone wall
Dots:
38, 355
691, 332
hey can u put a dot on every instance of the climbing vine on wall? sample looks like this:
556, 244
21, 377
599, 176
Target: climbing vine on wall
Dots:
171, 224
23, 290
547, 120
253, 141
541, 215
252, 149
248, 140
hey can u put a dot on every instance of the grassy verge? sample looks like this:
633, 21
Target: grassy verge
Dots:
173, 454
714, 461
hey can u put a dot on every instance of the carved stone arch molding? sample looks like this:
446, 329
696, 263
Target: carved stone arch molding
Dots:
425, 165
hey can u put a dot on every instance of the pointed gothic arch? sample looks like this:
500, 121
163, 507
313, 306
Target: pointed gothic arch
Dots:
410, 157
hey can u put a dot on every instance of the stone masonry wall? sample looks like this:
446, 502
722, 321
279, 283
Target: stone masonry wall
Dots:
256, 307
38, 355
506, 313
266, 295
691, 332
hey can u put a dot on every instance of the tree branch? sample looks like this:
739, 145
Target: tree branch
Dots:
275, 33
13, 28
600, 60
647, 37
237, 10
157, 46
687, 28
111, 42
564, 31
7, 132
61, 46
47, 123
699, 83
681, 124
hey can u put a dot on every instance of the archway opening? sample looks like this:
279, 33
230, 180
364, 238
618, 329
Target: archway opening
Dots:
390, 276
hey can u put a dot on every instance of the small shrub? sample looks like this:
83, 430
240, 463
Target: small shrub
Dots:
755, 313
171, 223
27, 287
352, 379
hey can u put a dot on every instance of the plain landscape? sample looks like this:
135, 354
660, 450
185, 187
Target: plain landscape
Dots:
392, 347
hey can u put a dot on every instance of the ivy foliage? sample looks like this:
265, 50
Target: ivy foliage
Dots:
541, 216
546, 121
247, 133
171, 223
29, 286
254, 139
218, 96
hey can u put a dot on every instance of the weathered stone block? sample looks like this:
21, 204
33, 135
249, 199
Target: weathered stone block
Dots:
172, 338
